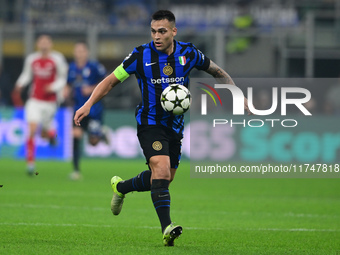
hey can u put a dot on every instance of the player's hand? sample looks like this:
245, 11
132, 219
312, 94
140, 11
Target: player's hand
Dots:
49, 89
16, 96
246, 106
81, 114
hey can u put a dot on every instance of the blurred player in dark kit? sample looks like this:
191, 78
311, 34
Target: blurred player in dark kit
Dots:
83, 77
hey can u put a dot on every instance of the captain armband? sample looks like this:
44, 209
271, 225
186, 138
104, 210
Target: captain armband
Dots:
120, 73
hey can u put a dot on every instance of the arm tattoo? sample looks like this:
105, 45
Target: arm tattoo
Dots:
219, 74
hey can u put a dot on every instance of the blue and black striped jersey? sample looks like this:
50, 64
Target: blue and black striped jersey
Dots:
155, 71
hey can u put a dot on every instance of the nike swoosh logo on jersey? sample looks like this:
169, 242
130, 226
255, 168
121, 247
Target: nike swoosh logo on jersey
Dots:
150, 64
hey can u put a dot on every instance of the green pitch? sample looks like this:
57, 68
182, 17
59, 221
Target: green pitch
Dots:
49, 214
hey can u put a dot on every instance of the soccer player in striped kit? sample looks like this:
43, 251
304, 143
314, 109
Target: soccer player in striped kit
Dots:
156, 65
47, 69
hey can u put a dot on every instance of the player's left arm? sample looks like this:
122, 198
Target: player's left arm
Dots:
219, 74
223, 77
61, 75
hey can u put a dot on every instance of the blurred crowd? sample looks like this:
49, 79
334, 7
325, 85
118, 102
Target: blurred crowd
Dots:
76, 15
69, 14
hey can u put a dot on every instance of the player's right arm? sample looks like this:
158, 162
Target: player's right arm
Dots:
26, 74
98, 93
23, 80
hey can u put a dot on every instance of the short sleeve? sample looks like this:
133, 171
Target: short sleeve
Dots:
202, 62
130, 62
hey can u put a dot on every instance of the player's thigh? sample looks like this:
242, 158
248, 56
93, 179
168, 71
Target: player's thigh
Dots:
33, 111
83, 126
77, 132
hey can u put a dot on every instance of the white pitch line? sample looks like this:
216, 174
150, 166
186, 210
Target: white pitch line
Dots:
157, 227
104, 209
66, 207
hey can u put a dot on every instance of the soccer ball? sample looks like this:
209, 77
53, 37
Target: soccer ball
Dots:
176, 99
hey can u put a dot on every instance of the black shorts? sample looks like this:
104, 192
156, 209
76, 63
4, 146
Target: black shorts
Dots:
160, 140
93, 126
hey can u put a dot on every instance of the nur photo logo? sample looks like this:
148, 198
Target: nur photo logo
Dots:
295, 96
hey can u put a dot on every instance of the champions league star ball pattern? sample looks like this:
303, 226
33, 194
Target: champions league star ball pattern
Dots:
176, 99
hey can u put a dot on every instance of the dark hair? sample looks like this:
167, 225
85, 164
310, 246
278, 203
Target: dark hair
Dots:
83, 43
164, 14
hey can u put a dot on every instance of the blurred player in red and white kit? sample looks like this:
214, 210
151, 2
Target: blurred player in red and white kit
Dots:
47, 70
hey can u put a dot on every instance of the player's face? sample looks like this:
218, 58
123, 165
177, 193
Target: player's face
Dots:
44, 43
162, 33
81, 52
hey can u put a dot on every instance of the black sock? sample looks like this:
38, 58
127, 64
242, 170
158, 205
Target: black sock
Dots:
141, 182
76, 153
161, 200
